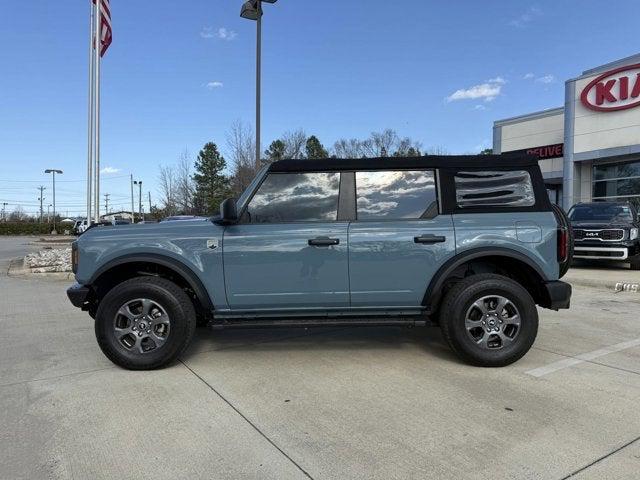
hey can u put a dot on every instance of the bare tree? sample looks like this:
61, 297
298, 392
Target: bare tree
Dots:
18, 215
184, 186
436, 150
381, 144
295, 142
167, 182
406, 147
241, 146
348, 148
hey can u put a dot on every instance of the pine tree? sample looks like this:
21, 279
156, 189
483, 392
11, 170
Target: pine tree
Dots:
275, 151
212, 186
314, 149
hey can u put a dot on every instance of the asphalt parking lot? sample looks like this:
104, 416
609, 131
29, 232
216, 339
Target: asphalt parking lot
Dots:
339, 403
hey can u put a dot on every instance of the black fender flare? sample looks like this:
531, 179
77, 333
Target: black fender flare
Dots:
433, 293
172, 264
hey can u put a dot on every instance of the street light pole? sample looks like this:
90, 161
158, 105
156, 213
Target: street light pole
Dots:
53, 171
252, 10
139, 183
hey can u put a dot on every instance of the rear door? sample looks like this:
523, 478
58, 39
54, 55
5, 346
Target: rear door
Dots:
289, 251
398, 240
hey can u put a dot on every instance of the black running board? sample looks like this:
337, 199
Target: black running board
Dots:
317, 322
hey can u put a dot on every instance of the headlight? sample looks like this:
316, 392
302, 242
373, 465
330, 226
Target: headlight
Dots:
633, 234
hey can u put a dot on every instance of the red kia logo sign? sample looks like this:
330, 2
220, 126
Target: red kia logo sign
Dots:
616, 89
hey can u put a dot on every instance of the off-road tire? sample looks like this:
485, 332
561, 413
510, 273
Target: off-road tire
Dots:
459, 299
564, 223
173, 299
635, 263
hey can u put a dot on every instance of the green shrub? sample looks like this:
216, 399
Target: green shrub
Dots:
22, 228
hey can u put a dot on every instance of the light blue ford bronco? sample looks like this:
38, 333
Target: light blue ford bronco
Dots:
469, 242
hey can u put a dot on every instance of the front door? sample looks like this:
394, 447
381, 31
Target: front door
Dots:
289, 252
399, 239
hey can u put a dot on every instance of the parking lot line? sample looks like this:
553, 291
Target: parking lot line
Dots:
583, 357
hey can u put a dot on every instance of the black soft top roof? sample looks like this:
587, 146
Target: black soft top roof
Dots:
485, 162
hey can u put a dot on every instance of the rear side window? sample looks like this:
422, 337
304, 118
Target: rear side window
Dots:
396, 194
295, 197
494, 189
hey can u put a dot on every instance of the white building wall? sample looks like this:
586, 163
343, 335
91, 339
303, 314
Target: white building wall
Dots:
533, 132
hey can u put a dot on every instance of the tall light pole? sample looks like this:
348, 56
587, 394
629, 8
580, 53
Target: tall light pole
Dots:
139, 183
252, 10
53, 171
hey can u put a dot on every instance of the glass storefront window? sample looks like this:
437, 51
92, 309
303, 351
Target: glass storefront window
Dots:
618, 182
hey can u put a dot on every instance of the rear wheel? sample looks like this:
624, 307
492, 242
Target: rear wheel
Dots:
489, 320
144, 323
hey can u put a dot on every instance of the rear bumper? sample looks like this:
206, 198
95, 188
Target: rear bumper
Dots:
558, 294
78, 295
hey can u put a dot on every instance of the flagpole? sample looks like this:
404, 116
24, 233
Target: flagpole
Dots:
96, 94
90, 119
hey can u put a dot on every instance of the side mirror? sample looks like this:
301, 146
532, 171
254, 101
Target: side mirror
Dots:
228, 211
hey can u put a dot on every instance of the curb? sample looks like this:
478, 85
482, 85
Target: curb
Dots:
17, 269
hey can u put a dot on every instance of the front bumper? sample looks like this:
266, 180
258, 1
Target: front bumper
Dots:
78, 295
620, 251
558, 294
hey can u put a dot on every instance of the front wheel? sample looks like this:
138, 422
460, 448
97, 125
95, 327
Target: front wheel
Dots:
144, 323
489, 320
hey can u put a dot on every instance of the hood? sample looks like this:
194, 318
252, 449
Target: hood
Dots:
593, 225
162, 229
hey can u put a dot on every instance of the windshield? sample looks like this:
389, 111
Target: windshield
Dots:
600, 213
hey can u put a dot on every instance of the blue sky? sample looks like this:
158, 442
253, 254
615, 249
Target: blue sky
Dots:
179, 73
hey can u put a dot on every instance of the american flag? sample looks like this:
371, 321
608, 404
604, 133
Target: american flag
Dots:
106, 36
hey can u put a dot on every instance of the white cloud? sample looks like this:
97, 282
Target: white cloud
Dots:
207, 32
108, 170
546, 79
528, 76
222, 33
487, 91
225, 34
479, 107
498, 80
216, 84
527, 17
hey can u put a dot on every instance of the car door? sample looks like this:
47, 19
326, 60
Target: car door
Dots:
289, 251
399, 239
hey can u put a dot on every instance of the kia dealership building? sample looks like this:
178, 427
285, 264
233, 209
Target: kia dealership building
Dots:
589, 149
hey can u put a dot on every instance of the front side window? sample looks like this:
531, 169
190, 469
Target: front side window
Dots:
494, 189
396, 194
295, 197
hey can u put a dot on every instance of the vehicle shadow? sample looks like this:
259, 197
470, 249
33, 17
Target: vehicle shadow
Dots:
329, 339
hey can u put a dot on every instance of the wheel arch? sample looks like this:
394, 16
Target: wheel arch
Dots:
126, 266
515, 264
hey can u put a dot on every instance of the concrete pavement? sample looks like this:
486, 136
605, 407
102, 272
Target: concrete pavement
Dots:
387, 403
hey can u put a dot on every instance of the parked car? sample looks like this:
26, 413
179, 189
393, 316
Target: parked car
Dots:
471, 243
79, 226
606, 231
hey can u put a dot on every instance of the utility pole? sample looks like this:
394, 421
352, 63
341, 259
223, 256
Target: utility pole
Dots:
41, 198
133, 214
4, 207
49, 213
149, 202
139, 183
106, 203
